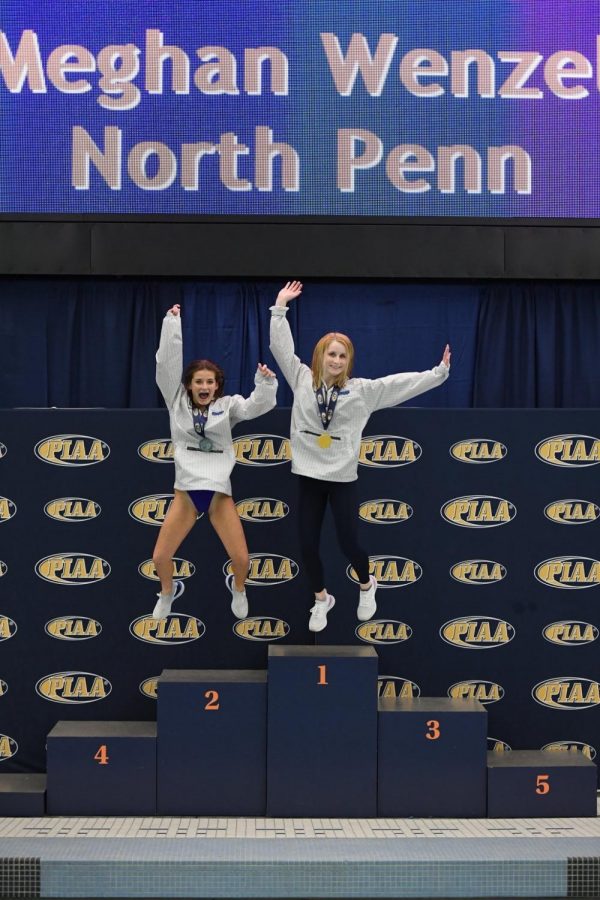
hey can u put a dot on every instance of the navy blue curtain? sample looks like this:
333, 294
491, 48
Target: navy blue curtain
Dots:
75, 343
537, 345
91, 342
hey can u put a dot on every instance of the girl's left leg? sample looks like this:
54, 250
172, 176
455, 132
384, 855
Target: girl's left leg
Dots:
225, 520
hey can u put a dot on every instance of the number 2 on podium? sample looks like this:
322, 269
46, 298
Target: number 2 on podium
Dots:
322, 675
213, 700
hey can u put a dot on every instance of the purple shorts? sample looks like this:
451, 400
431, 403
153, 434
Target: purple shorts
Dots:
201, 499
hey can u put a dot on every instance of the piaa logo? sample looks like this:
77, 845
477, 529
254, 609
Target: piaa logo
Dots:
477, 632
395, 687
478, 571
478, 450
72, 450
570, 633
175, 629
157, 450
385, 512
383, 631
574, 747
73, 687
569, 572
478, 511
495, 745
149, 687
72, 568
267, 569
261, 629
572, 512
3, 450
73, 628
573, 450
262, 450
568, 692
8, 509
3, 568
262, 509
8, 747
390, 571
3, 687
152, 509
388, 451
8, 628
72, 509
182, 569
485, 691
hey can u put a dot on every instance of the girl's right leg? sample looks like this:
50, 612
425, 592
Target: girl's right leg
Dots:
179, 521
312, 501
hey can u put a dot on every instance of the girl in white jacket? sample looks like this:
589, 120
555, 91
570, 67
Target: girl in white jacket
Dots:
201, 422
329, 414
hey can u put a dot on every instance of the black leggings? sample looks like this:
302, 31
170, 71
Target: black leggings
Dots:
312, 501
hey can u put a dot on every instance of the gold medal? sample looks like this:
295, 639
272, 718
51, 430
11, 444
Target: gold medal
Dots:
324, 440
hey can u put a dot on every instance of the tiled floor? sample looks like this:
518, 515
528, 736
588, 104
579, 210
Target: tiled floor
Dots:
371, 829
304, 858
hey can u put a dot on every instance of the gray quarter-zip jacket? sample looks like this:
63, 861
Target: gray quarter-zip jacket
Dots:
356, 401
195, 470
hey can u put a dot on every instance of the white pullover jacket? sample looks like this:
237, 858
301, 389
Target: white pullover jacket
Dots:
356, 401
195, 470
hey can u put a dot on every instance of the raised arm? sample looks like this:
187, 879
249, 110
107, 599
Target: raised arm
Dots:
281, 340
169, 356
393, 389
261, 400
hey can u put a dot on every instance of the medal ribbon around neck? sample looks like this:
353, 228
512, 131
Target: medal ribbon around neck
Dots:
200, 420
326, 412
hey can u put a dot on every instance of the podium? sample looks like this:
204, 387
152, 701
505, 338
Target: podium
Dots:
432, 758
322, 731
101, 769
211, 742
22, 795
540, 784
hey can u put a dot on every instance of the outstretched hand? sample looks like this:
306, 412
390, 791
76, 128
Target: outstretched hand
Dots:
446, 356
175, 310
264, 370
291, 290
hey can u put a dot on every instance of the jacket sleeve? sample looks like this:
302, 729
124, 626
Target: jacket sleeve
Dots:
393, 389
261, 400
169, 359
281, 346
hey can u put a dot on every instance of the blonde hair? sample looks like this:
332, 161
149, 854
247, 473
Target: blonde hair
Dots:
319, 355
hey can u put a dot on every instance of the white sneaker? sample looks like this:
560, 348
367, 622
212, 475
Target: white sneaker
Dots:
164, 603
367, 607
318, 617
239, 601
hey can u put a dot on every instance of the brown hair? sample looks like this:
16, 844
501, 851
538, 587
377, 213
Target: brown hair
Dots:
319, 354
195, 366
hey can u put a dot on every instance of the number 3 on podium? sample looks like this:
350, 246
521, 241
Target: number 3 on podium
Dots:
434, 730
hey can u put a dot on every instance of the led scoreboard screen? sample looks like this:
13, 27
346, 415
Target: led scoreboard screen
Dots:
391, 108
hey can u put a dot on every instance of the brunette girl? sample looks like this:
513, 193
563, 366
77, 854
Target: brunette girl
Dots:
201, 422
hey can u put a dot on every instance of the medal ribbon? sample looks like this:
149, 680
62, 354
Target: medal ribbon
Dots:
326, 412
199, 421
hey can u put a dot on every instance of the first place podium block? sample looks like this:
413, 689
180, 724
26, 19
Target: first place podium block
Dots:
322, 731
212, 737
540, 784
432, 758
101, 769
